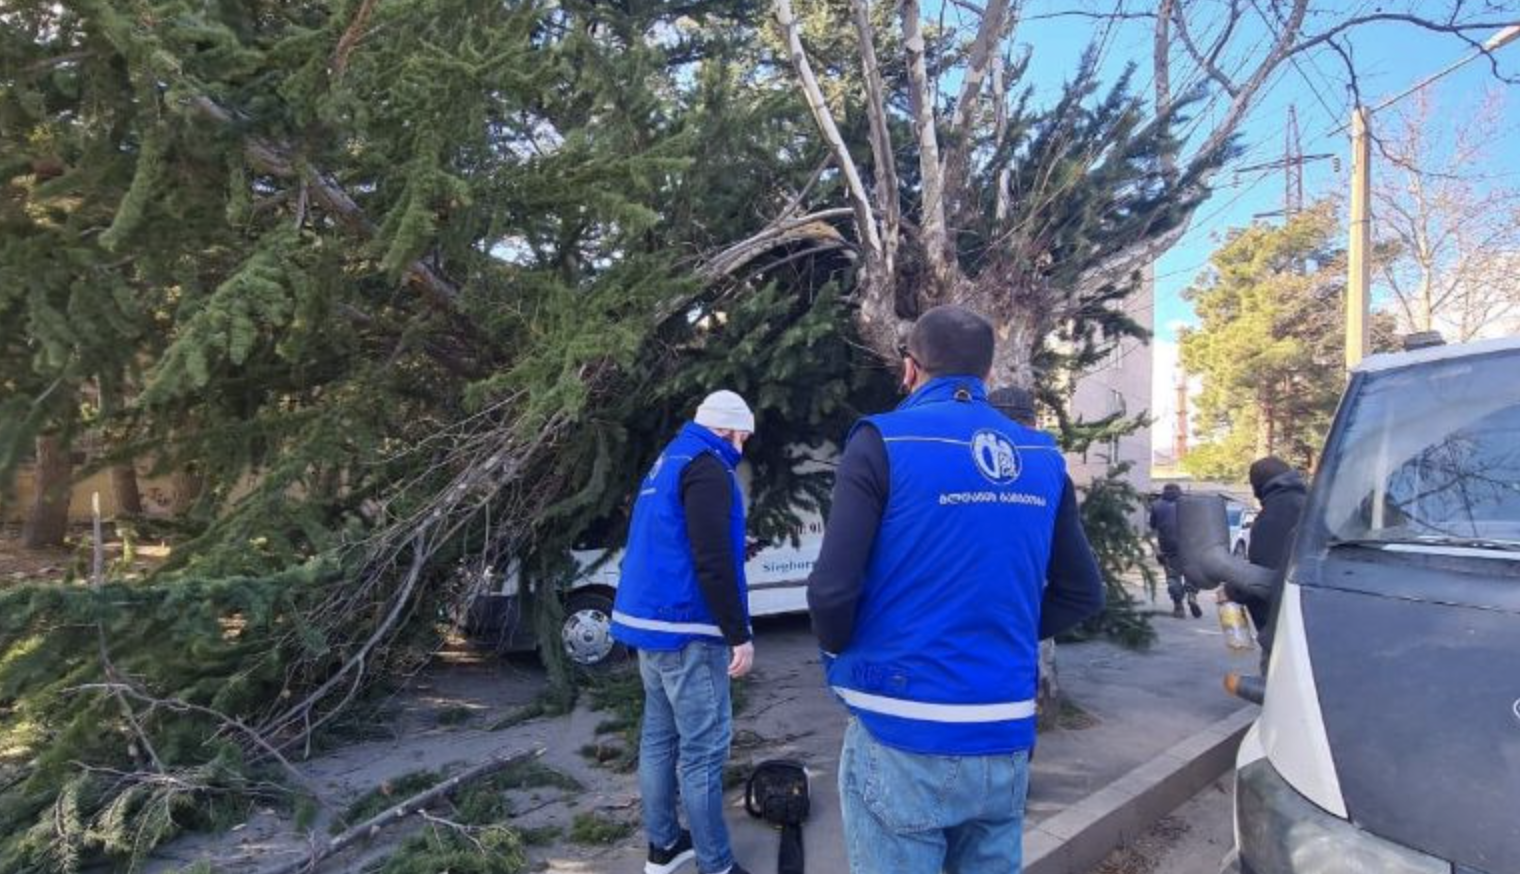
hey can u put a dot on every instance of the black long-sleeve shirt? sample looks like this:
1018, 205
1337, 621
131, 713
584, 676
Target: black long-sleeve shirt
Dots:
707, 496
1073, 593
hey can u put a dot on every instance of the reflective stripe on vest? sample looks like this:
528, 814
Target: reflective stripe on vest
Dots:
952, 713
659, 603
944, 658
667, 627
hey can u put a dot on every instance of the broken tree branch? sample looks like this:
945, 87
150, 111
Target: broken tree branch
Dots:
392, 815
124, 690
276, 159
354, 663
351, 37
814, 227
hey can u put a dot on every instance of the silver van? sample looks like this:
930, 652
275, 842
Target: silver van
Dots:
1389, 736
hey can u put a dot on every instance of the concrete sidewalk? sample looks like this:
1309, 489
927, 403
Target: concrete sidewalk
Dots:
1145, 728
1156, 711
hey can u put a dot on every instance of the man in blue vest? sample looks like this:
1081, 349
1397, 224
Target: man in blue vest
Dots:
683, 604
929, 599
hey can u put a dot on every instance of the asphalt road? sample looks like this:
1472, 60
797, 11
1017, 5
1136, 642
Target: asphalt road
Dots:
1193, 839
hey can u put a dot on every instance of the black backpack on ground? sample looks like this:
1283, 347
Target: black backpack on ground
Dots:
777, 792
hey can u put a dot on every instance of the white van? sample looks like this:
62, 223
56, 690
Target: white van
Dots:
777, 576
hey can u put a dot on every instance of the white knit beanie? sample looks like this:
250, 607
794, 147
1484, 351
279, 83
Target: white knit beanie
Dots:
724, 409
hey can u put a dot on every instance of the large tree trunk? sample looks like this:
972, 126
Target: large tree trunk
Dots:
47, 520
188, 486
124, 489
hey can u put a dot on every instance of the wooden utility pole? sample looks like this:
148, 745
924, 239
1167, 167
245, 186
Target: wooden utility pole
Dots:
1357, 260
1180, 435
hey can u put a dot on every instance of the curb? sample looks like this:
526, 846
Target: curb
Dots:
1078, 838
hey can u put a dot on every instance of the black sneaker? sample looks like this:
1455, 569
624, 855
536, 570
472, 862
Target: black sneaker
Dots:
668, 860
1193, 606
1177, 610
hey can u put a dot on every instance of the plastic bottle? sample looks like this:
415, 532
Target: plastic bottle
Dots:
1236, 624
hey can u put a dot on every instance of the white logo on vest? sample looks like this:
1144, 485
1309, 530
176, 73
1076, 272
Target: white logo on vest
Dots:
995, 457
654, 471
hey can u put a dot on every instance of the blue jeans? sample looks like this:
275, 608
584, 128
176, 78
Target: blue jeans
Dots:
907, 813
688, 723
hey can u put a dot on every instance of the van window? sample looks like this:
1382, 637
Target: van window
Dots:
1430, 454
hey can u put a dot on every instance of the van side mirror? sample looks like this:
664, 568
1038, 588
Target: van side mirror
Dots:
1203, 535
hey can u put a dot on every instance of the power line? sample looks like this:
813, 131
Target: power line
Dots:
1493, 43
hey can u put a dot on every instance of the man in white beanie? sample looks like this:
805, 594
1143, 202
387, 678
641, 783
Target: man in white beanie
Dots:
683, 605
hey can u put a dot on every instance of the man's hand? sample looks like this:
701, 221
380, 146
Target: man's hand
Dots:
743, 659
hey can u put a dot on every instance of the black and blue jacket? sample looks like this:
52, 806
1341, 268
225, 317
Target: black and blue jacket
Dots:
660, 602
937, 627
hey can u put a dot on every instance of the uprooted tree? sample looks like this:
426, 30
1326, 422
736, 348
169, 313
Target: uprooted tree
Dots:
1041, 221
411, 288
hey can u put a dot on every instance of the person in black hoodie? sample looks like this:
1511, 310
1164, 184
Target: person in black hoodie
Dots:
1281, 491
1163, 523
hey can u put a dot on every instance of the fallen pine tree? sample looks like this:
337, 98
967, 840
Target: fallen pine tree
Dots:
417, 289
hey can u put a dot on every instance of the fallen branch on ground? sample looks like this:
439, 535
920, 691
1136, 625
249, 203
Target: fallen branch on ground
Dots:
393, 815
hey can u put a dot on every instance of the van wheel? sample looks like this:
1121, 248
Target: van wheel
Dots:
586, 632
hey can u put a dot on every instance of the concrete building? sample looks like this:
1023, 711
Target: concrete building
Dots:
1120, 384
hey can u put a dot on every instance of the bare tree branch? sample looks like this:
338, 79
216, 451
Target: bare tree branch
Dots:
887, 194
984, 58
983, 49
1282, 46
1161, 48
351, 37
1207, 62
122, 688
865, 221
1450, 27
935, 236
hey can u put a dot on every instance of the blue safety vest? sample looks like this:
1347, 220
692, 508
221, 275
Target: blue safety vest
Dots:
659, 605
944, 658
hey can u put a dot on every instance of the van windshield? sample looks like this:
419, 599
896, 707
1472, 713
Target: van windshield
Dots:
1431, 454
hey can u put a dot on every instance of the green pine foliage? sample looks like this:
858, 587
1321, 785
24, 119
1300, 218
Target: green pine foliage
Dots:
490, 849
284, 247
221, 645
1110, 505
1269, 346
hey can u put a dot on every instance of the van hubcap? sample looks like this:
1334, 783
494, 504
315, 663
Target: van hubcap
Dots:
587, 635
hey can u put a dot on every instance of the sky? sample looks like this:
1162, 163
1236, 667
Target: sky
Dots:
1388, 58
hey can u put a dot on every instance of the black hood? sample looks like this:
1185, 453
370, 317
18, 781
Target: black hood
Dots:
1288, 481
